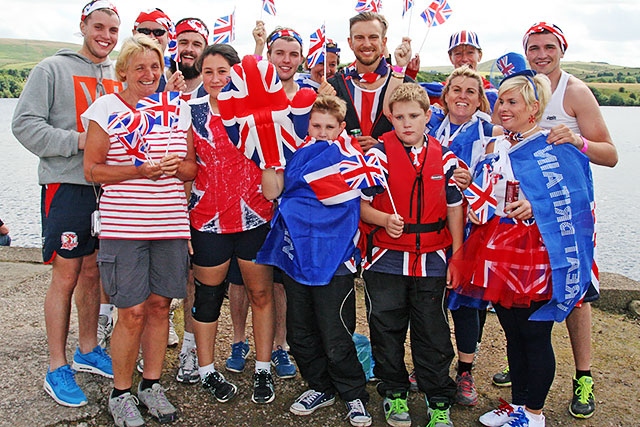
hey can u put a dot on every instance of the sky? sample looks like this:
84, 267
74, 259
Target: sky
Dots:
596, 30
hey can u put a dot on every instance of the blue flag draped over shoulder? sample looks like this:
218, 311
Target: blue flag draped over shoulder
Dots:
309, 240
557, 180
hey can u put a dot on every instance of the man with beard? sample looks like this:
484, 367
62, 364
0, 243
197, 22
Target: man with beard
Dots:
192, 35
369, 81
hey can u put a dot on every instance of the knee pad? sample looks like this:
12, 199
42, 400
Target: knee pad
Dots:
208, 301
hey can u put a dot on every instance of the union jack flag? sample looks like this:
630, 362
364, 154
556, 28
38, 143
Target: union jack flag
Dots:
362, 171
480, 195
369, 6
317, 47
224, 29
172, 38
406, 5
437, 13
258, 116
269, 6
165, 106
130, 127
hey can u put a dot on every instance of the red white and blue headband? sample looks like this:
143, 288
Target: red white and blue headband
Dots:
194, 25
541, 27
97, 5
284, 32
153, 15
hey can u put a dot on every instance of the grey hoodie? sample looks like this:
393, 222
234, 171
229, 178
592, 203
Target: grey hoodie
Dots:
47, 118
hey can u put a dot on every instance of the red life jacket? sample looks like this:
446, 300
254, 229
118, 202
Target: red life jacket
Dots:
420, 197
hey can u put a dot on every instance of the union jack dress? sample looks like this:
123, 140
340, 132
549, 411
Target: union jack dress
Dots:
503, 261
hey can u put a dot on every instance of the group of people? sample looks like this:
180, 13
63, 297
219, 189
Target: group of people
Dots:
147, 159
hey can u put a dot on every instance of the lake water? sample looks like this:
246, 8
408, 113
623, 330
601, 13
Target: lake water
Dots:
617, 192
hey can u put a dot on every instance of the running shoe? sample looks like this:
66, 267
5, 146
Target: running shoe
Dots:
501, 416
216, 384
97, 361
239, 353
188, 369
466, 393
124, 411
105, 329
280, 360
263, 390
61, 385
396, 411
583, 403
157, 404
502, 378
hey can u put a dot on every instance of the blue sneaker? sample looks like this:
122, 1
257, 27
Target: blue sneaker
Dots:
284, 367
61, 385
96, 361
239, 353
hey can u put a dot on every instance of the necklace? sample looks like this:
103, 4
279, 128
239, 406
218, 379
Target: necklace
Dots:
518, 136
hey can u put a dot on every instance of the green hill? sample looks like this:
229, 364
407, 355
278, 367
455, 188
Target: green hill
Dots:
18, 54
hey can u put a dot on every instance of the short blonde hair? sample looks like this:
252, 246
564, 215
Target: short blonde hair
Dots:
133, 46
532, 89
408, 92
466, 71
330, 104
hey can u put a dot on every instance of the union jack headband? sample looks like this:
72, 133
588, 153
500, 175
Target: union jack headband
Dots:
195, 25
153, 15
541, 27
283, 32
92, 6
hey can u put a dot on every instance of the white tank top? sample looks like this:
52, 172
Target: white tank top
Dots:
554, 114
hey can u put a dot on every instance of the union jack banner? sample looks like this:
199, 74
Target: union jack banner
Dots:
269, 7
437, 13
406, 5
130, 127
480, 195
165, 106
258, 116
224, 29
369, 6
316, 47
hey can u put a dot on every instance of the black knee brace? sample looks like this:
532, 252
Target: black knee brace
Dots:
207, 302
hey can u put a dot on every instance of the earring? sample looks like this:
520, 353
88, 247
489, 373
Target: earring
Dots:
532, 119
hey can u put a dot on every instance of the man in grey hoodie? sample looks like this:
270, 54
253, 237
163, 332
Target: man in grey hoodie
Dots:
47, 122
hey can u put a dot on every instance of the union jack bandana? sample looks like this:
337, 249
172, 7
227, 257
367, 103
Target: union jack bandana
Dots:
195, 25
370, 77
153, 15
513, 136
541, 27
283, 32
97, 5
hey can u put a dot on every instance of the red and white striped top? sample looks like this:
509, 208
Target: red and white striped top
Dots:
143, 209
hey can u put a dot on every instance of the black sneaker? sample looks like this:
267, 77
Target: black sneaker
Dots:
221, 389
263, 391
583, 403
502, 378
311, 400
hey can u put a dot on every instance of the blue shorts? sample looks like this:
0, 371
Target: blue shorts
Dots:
213, 249
66, 221
133, 269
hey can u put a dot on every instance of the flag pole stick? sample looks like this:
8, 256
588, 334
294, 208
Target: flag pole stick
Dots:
424, 40
409, 27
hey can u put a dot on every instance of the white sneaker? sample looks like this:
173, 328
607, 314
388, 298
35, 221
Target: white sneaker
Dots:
524, 418
188, 369
173, 338
501, 416
105, 328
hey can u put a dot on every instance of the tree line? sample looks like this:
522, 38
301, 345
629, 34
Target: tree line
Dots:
12, 81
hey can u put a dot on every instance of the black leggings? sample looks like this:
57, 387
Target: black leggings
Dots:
532, 364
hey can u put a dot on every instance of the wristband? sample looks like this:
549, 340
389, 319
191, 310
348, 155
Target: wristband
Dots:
258, 57
397, 69
585, 144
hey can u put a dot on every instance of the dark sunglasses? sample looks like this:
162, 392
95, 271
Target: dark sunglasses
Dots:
158, 32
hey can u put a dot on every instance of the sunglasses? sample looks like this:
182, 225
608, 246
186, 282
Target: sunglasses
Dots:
158, 32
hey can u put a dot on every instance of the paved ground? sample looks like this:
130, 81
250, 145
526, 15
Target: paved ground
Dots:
24, 360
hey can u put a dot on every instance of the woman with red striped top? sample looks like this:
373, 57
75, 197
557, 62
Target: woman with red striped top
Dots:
140, 149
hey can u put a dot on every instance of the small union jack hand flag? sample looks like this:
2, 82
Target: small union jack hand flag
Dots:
269, 6
316, 47
368, 6
224, 29
164, 105
437, 13
480, 195
406, 5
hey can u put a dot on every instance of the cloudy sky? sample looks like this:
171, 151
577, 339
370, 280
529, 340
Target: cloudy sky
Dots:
596, 30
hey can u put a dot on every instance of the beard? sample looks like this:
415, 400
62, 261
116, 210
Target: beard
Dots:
188, 72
